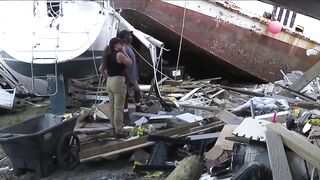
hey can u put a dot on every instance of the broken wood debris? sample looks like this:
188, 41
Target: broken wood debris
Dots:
299, 145
277, 156
229, 124
216, 117
126, 144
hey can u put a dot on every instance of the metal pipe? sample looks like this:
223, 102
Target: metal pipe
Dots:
153, 40
286, 77
252, 109
138, 34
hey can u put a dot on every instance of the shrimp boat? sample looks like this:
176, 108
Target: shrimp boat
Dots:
229, 34
45, 42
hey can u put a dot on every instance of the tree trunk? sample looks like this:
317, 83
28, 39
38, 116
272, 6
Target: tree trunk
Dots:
190, 168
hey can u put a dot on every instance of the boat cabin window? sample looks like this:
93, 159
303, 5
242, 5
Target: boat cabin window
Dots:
299, 28
267, 15
53, 9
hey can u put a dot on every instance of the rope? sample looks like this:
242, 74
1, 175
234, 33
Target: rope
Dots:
181, 35
98, 90
96, 69
148, 62
94, 59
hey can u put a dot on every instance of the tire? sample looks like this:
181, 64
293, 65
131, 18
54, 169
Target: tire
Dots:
68, 151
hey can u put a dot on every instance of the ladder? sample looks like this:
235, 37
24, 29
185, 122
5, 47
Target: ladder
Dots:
48, 76
53, 61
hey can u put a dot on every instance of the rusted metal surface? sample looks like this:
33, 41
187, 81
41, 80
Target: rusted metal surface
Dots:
257, 54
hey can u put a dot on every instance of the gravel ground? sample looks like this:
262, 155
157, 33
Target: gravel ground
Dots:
115, 169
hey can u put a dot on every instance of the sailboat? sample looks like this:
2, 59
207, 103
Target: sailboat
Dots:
43, 43
48, 41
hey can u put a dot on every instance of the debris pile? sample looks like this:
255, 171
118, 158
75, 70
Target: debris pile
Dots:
201, 129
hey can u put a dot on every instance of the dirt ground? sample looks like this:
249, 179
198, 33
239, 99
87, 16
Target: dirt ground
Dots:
115, 169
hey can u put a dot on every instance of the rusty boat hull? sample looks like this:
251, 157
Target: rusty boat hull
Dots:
253, 50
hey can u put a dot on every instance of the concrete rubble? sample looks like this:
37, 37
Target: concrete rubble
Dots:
201, 129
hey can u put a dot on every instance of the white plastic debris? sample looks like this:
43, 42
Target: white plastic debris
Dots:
5, 170
265, 104
7, 98
189, 118
141, 121
306, 128
252, 129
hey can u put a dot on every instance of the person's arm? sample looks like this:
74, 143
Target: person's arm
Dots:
121, 58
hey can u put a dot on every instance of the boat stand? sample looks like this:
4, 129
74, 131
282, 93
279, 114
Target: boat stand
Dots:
59, 99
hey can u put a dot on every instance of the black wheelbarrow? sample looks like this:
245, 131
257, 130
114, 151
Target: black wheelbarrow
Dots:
40, 143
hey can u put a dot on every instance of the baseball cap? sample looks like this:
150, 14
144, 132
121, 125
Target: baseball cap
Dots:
123, 33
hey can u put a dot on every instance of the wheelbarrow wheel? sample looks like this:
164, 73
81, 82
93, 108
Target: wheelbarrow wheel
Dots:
68, 151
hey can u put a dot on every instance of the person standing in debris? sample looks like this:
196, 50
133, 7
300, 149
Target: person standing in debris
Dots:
114, 64
132, 72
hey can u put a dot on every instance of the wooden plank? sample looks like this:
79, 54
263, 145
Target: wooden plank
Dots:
189, 94
92, 130
226, 132
217, 93
290, 100
204, 136
212, 109
172, 82
277, 156
306, 78
192, 130
296, 93
143, 114
162, 80
212, 128
228, 117
298, 144
152, 116
105, 109
307, 105
206, 80
126, 144
124, 150
242, 91
221, 144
